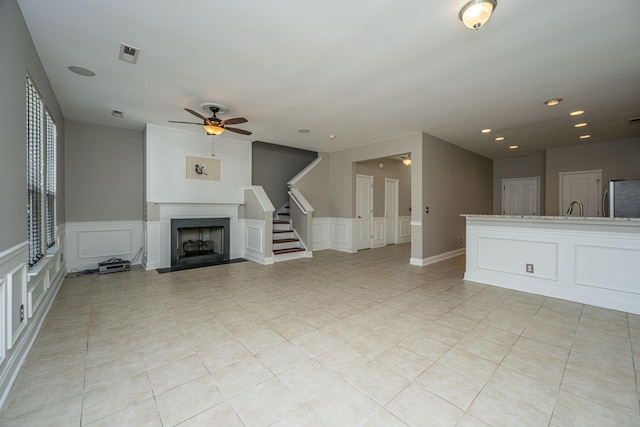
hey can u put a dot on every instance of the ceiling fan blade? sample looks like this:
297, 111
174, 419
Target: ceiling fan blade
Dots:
189, 123
236, 130
235, 121
195, 113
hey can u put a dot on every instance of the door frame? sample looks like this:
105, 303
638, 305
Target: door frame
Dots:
396, 202
529, 178
561, 177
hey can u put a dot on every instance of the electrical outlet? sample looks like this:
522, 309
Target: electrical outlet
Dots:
529, 268
461, 241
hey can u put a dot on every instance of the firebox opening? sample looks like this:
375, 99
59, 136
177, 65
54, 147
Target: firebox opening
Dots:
197, 242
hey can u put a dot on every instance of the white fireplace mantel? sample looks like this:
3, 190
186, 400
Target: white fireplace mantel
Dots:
158, 228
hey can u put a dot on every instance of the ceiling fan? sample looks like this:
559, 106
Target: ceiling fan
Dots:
214, 125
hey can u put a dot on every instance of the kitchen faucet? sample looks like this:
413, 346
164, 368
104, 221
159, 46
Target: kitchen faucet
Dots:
570, 210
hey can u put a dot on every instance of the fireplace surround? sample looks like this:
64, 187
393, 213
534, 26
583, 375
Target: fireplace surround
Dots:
197, 242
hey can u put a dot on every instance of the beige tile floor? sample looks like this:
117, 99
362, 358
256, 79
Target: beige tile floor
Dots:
338, 340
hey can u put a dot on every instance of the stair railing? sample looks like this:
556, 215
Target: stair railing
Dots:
301, 213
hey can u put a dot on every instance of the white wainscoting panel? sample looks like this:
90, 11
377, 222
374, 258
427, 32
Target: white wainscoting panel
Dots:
254, 238
254, 248
602, 266
379, 238
512, 256
17, 303
88, 243
321, 234
342, 235
151, 253
404, 235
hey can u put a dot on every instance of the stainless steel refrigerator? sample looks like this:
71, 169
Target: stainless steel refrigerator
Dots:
624, 199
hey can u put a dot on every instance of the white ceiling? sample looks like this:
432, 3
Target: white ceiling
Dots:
362, 71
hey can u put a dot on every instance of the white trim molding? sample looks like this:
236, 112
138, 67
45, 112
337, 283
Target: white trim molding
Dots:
436, 258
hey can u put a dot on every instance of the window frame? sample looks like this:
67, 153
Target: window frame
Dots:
41, 147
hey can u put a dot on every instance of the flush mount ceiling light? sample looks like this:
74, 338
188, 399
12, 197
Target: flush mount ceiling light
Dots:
585, 136
579, 125
500, 138
477, 12
552, 102
486, 130
407, 161
513, 147
576, 113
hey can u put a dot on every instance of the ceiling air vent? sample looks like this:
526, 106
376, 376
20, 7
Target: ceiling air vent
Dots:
129, 53
634, 121
117, 113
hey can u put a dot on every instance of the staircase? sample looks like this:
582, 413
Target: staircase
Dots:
286, 244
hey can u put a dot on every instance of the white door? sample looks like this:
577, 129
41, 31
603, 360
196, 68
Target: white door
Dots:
585, 187
521, 196
391, 210
364, 212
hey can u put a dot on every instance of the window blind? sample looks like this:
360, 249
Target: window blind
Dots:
34, 173
51, 181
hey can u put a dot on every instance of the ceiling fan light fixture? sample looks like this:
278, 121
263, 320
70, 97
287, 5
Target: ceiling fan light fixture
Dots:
213, 130
477, 12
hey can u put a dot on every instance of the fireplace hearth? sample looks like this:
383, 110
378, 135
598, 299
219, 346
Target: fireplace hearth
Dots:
198, 242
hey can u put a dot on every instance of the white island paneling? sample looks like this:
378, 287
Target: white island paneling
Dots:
593, 261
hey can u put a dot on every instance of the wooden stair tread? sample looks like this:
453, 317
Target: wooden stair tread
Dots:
282, 231
286, 251
276, 221
285, 240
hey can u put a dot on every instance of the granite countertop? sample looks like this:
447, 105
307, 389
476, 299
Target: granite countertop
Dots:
553, 218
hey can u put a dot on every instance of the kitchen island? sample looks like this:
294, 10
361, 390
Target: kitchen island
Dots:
593, 261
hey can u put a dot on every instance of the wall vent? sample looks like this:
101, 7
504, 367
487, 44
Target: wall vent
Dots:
129, 53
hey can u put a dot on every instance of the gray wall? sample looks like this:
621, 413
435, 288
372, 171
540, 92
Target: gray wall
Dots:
617, 159
19, 57
455, 181
272, 166
104, 177
519, 167
392, 169
314, 188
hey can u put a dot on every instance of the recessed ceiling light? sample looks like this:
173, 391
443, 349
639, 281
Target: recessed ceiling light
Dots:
304, 130
579, 125
513, 147
500, 138
486, 130
552, 102
82, 71
585, 136
576, 113
332, 137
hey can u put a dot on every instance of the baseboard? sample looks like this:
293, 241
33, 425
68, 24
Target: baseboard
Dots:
437, 258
